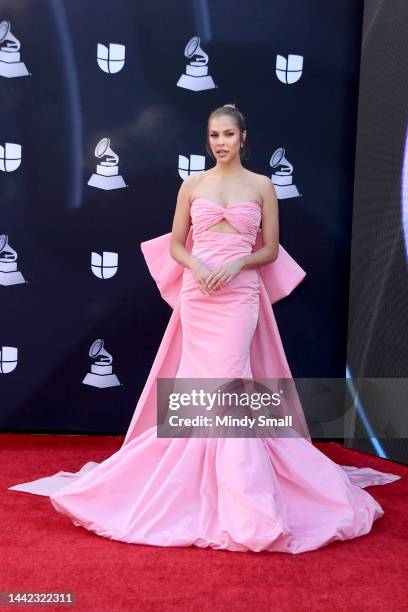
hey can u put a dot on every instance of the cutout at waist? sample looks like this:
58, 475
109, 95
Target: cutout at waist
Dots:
229, 229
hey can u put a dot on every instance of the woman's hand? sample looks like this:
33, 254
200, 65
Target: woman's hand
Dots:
200, 274
217, 279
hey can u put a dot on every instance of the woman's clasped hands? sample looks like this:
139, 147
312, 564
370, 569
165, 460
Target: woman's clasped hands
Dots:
211, 281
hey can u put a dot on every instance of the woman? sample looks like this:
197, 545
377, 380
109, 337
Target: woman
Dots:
220, 273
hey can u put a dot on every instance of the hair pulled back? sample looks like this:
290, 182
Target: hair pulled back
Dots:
230, 110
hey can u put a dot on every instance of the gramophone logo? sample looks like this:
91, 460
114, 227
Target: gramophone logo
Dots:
289, 70
105, 265
10, 63
107, 173
10, 156
282, 176
196, 76
9, 275
101, 369
190, 165
110, 59
8, 359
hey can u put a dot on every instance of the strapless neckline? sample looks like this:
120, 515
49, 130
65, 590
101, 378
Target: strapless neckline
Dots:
230, 205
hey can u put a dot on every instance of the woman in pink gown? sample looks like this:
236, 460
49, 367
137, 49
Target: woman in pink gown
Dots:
240, 494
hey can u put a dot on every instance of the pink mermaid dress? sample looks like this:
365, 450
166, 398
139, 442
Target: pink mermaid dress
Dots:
239, 494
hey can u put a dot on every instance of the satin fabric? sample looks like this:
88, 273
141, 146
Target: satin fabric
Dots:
218, 329
277, 280
238, 494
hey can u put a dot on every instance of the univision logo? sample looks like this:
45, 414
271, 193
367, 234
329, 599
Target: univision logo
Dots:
110, 59
289, 70
8, 359
105, 265
10, 157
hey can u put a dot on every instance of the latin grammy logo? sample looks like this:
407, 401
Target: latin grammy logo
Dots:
10, 156
9, 275
8, 359
282, 178
10, 63
105, 265
190, 165
107, 174
196, 76
110, 59
101, 369
289, 70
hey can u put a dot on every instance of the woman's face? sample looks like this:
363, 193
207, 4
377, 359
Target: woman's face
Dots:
224, 138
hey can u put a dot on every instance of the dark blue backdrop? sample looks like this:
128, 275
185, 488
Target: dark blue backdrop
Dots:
54, 220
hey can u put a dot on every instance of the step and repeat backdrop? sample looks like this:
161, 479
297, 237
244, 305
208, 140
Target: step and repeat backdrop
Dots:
377, 356
104, 109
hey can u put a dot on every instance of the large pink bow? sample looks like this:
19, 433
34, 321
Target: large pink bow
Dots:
280, 277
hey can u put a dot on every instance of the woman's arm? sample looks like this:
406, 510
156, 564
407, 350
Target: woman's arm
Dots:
181, 225
179, 233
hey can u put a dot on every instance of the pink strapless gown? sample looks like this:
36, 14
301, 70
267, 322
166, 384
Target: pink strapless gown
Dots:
239, 494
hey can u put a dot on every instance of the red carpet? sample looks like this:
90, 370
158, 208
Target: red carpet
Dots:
42, 550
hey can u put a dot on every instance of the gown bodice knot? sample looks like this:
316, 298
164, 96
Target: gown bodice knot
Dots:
245, 217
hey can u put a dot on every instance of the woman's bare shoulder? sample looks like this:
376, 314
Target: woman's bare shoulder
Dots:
193, 182
196, 177
259, 178
265, 185
260, 184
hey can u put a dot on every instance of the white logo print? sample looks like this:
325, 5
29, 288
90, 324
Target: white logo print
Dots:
8, 359
10, 64
110, 59
107, 173
282, 175
105, 265
10, 157
191, 165
289, 70
196, 76
9, 275
101, 370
